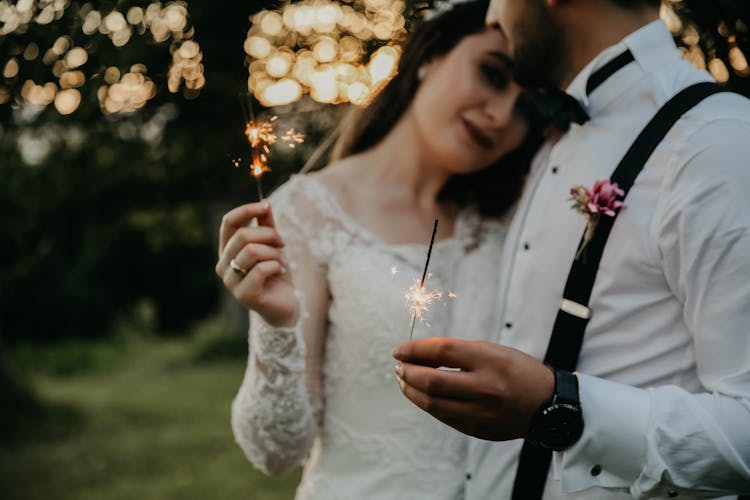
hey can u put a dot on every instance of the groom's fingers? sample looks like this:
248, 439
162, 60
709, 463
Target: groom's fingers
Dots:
440, 383
439, 351
445, 409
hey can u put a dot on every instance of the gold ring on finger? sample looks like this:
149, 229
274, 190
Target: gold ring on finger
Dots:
237, 268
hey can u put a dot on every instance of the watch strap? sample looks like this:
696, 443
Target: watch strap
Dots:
566, 388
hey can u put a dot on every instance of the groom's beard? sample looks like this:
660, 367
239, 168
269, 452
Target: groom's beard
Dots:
540, 57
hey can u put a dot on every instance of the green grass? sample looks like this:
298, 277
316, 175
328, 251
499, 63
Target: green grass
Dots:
132, 418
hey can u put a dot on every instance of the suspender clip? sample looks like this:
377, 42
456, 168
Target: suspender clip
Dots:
575, 309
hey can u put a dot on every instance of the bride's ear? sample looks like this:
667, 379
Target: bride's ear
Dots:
422, 72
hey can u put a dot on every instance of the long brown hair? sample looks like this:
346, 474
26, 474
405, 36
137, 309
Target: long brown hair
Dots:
493, 189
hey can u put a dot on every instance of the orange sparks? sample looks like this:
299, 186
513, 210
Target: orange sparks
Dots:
259, 167
418, 299
261, 136
260, 133
293, 138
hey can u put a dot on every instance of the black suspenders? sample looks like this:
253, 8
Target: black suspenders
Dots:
574, 314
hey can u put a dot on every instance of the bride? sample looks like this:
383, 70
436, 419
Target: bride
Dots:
324, 273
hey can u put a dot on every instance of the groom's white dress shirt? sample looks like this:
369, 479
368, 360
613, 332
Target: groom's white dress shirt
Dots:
665, 366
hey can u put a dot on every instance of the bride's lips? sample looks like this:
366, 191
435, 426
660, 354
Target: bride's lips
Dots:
478, 135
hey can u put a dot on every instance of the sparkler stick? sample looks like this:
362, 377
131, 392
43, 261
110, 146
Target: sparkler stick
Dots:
429, 253
420, 300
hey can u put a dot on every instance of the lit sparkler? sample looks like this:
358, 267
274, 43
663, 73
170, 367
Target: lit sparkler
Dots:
417, 298
261, 135
257, 169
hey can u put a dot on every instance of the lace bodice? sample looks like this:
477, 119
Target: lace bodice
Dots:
325, 391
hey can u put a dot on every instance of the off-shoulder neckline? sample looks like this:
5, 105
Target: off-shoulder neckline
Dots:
465, 228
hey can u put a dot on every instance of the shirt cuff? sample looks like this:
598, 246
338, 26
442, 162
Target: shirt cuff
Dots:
611, 453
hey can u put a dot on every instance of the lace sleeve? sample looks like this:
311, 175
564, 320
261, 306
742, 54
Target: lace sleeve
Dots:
276, 413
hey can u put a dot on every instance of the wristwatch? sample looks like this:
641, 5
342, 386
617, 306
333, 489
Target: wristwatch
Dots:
559, 423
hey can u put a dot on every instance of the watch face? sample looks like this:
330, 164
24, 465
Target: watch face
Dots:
559, 426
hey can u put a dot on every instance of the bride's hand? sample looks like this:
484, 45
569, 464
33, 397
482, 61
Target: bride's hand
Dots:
251, 264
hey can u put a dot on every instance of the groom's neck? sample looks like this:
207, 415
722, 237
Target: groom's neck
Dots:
591, 27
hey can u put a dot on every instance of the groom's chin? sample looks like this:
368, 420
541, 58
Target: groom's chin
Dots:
533, 73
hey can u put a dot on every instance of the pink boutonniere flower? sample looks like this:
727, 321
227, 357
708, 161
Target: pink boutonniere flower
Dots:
594, 203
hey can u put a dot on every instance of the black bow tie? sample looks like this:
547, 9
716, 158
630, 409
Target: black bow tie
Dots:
557, 109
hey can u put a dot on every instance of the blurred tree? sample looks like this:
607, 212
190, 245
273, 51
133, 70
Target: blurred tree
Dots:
107, 205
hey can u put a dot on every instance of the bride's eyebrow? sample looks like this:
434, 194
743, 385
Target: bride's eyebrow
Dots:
501, 57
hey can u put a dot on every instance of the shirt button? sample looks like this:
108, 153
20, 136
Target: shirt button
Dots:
526, 246
596, 470
554, 170
508, 325
672, 494
468, 476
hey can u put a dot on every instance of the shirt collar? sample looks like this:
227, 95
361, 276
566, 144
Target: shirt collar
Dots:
652, 47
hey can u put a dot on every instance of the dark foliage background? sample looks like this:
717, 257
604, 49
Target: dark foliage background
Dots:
110, 221
117, 220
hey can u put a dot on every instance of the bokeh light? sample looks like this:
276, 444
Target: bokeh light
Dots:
285, 91
67, 101
719, 70
383, 64
336, 51
72, 79
75, 59
721, 55
129, 94
739, 61
38, 95
321, 47
11, 69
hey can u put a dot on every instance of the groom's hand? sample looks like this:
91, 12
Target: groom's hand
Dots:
494, 396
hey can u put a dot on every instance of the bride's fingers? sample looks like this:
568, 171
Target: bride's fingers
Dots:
253, 253
252, 285
243, 237
237, 218
248, 256
267, 219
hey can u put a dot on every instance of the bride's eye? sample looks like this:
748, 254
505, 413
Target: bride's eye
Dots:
495, 76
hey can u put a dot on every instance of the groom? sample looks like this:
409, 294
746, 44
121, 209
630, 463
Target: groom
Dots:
659, 404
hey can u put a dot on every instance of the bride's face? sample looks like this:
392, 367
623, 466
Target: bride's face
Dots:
465, 108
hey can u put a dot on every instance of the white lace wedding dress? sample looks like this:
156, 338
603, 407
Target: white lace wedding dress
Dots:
329, 398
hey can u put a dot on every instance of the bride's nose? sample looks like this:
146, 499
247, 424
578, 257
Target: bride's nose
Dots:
490, 19
500, 109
